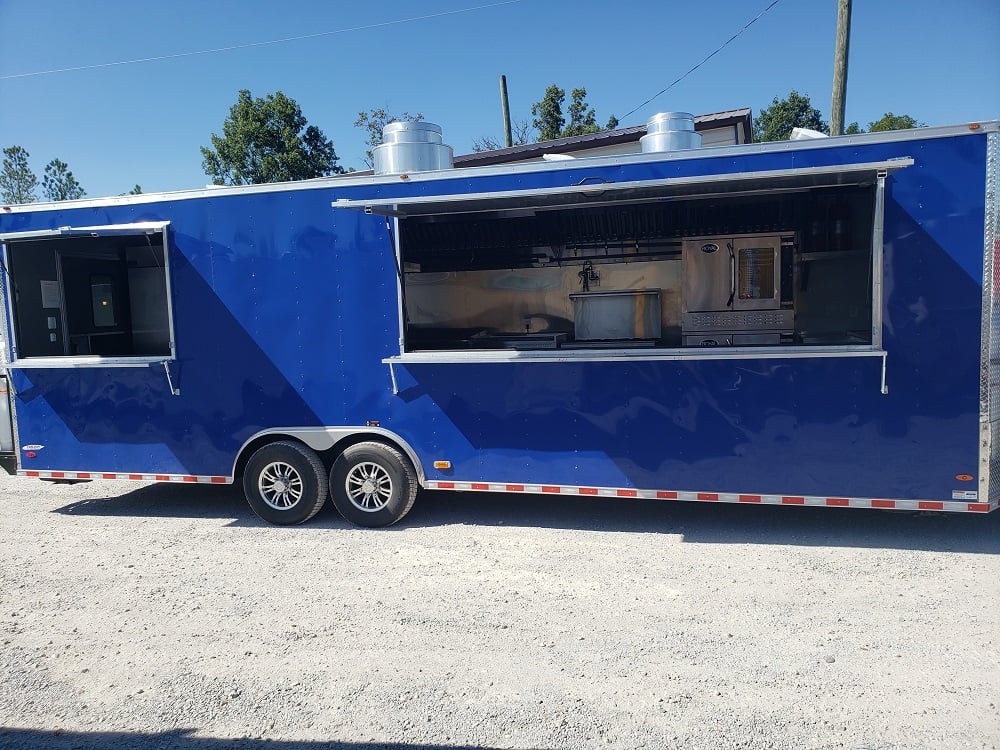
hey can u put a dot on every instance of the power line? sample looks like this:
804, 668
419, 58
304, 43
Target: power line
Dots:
717, 51
248, 45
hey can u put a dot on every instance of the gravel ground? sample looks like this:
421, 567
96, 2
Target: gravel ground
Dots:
136, 616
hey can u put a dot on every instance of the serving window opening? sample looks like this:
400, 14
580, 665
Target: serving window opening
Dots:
98, 294
790, 267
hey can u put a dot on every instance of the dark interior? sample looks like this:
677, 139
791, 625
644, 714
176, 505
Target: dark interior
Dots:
86, 295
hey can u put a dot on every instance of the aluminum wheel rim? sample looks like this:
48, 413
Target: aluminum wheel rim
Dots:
369, 487
280, 485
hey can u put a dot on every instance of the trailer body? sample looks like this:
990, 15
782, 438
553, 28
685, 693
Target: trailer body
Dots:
532, 328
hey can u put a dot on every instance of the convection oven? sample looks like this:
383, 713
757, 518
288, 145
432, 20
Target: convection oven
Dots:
737, 290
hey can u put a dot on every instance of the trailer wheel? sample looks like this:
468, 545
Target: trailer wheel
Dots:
285, 483
373, 484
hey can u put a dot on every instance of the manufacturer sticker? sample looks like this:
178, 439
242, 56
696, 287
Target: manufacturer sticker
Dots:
964, 495
32, 447
709, 247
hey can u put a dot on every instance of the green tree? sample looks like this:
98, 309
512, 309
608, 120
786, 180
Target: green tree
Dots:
267, 139
59, 184
582, 118
548, 115
889, 121
775, 123
374, 121
17, 181
551, 123
137, 190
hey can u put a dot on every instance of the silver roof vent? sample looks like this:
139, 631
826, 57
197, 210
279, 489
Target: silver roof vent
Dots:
670, 131
412, 147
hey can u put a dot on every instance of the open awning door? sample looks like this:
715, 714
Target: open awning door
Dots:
108, 230
87, 296
595, 190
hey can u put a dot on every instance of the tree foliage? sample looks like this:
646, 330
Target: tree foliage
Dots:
59, 184
267, 139
548, 115
374, 121
551, 122
582, 119
889, 121
775, 123
17, 181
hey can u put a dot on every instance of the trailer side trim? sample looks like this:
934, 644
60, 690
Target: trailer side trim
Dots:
88, 475
715, 497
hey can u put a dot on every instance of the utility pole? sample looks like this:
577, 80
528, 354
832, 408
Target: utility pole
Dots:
508, 141
840, 67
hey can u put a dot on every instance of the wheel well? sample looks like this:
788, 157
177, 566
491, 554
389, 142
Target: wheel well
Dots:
327, 456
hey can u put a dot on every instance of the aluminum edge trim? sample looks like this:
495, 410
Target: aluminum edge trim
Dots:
878, 260
989, 371
5, 354
135, 476
625, 355
814, 501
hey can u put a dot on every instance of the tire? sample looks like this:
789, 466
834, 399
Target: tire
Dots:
373, 484
285, 483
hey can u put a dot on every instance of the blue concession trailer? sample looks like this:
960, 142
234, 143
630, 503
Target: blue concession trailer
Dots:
811, 322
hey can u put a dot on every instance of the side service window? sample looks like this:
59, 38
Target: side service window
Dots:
778, 268
96, 294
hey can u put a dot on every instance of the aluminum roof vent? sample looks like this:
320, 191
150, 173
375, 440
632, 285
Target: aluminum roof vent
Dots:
412, 147
670, 131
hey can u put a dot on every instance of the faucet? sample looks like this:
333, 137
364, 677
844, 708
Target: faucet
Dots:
589, 276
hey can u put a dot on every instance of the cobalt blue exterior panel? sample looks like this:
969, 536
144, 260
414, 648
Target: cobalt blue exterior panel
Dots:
286, 310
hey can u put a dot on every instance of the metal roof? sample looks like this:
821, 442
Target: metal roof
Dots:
597, 140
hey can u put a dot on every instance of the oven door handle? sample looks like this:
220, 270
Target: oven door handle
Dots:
732, 275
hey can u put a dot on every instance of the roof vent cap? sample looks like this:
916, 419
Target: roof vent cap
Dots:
415, 146
670, 131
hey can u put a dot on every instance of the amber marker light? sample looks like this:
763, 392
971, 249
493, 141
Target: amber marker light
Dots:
964, 477
442, 464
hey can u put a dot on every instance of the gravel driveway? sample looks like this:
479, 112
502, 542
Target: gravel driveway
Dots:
137, 616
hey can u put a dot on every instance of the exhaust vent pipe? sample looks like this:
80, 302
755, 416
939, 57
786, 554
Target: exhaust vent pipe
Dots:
670, 131
412, 147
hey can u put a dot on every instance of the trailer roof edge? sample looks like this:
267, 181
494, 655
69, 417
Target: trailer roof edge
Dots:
320, 183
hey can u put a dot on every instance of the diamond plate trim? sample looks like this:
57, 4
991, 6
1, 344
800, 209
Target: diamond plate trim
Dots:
989, 380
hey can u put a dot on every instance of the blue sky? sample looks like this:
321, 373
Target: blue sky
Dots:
144, 122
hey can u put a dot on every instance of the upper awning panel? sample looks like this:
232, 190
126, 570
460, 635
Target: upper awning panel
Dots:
590, 191
111, 230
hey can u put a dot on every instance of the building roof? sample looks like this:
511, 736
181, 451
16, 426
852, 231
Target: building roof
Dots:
714, 121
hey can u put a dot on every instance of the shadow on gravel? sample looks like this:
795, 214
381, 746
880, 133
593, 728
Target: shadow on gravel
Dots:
181, 739
695, 522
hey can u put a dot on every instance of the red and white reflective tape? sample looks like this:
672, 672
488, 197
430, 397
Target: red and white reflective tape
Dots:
715, 497
125, 475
